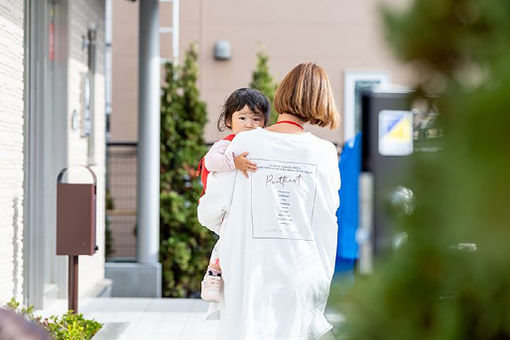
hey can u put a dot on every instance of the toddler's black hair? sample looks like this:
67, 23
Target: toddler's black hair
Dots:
256, 101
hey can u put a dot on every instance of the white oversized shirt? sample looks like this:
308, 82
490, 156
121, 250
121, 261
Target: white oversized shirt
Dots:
278, 236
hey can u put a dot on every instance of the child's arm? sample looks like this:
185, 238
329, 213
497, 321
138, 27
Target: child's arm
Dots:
219, 160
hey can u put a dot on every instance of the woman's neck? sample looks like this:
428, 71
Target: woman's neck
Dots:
287, 128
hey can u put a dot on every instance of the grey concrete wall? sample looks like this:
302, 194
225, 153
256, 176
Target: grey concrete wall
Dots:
134, 279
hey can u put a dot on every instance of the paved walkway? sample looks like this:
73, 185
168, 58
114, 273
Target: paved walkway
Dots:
151, 319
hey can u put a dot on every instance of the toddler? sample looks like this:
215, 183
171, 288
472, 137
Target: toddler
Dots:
244, 109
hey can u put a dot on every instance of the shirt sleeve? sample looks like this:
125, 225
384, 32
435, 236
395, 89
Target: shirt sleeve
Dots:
214, 206
217, 159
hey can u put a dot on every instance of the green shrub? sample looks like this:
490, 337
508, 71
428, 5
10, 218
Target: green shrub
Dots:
185, 245
66, 327
262, 80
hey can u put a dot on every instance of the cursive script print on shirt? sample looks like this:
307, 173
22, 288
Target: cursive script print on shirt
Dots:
283, 199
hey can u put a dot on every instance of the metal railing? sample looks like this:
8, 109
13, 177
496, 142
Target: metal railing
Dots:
121, 180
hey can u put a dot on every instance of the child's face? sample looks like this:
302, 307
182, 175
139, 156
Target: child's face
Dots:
245, 119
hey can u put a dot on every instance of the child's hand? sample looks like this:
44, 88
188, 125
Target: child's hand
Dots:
243, 164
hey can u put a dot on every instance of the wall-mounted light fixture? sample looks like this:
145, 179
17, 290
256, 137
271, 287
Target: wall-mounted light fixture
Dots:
222, 50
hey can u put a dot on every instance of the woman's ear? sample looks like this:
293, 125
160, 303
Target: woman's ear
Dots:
228, 123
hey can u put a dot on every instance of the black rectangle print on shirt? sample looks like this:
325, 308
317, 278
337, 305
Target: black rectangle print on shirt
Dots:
283, 199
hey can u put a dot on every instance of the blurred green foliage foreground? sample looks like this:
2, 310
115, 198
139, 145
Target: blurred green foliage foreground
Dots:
460, 50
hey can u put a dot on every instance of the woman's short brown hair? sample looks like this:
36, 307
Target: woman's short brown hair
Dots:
305, 92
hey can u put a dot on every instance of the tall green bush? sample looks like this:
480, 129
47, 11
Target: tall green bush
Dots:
429, 288
185, 244
262, 80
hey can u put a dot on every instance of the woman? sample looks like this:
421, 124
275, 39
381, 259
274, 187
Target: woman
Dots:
278, 227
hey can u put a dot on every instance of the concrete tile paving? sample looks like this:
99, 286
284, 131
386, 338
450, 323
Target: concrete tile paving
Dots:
147, 319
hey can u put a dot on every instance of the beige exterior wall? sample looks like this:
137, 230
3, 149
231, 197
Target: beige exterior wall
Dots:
124, 118
11, 146
82, 13
338, 35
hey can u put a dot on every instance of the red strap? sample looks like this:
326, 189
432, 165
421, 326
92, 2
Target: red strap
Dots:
229, 137
202, 172
289, 122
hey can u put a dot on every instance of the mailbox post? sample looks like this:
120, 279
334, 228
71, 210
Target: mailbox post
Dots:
76, 227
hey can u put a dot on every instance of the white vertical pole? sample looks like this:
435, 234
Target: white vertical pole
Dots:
148, 133
175, 31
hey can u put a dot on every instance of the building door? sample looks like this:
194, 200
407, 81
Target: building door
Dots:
45, 145
355, 82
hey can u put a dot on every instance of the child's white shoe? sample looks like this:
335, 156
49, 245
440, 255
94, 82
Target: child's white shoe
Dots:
211, 286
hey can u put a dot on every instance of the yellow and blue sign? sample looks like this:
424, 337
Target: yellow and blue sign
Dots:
395, 133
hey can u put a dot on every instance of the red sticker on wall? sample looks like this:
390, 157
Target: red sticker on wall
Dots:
51, 42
